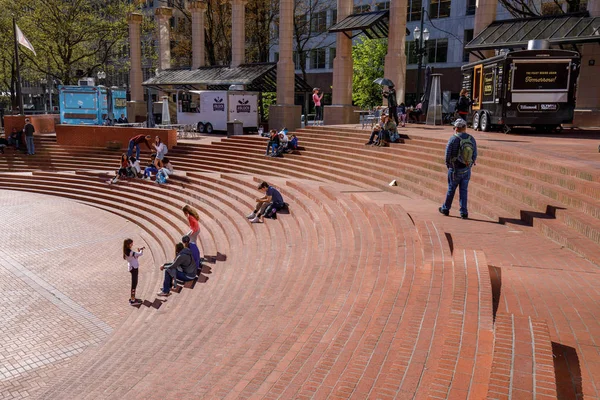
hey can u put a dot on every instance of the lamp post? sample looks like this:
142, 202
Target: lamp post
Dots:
101, 76
420, 50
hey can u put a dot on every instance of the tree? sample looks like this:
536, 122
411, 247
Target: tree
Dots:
530, 8
368, 56
260, 16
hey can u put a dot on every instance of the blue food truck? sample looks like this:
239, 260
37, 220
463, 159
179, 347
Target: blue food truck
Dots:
91, 105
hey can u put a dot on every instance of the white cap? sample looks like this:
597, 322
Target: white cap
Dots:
460, 123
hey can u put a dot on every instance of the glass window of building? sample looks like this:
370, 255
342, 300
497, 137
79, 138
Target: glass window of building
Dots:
296, 59
468, 36
362, 8
437, 50
409, 51
331, 56
414, 10
383, 5
439, 8
333, 16
471, 7
319, 22
317, 59
276, 57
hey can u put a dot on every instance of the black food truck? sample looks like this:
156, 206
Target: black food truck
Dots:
533, 88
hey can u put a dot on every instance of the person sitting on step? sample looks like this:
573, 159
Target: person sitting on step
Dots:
182, 268
123, 169
151, 168
273, 142
163, 174
283, 144
374, 138
187, 242
388, 132
292, 145
268, 205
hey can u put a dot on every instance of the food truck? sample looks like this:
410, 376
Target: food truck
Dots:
533, 88
210, 110
90, 105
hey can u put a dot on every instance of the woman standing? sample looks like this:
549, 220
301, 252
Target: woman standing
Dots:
133, 265
318, 107
161, 149
193, 220
463, 105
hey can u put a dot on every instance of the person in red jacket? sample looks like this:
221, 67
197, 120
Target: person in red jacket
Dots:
193, 220
135, 142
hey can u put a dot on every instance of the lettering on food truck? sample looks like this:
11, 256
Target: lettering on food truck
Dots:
243, 106
218, 105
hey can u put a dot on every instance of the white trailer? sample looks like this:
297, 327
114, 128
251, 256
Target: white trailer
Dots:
210, 110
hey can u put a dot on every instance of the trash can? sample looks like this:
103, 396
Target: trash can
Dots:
235, 127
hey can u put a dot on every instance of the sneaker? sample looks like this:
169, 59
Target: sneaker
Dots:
251, 216
368, 143
464, 216
445, 212
163, 294
266, 154
134, 302
255, 220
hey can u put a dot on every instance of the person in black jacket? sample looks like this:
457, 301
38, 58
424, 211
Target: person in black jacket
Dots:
392, 102
463, 105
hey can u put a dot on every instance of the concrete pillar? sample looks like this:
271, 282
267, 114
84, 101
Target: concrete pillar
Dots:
163, 26
485, 14
341, 111
285, 113
395, 60
136, 107
238, 37
198, 9
587, 111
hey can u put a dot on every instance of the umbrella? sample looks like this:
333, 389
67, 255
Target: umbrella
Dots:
166, 116
383, 82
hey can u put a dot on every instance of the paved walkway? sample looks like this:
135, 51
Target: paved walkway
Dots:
63, 285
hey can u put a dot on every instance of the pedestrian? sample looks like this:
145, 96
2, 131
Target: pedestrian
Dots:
463, 104
161, 150
135, 142
390, 94
28, 129
402, 113
194, 222
461, 154
133, 265
318, 107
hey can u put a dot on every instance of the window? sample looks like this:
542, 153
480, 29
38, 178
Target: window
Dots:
331, 56
471, 7
439, 8
276, 57
319, 22
333, 16
414, 10
362, 9
317, 59
410, 52
296, 58
468, 36
384, 5
437, 50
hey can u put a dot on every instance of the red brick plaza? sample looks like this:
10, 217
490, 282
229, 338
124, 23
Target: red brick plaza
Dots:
362, 291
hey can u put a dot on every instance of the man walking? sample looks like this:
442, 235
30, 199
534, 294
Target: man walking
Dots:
461, 153
29, 130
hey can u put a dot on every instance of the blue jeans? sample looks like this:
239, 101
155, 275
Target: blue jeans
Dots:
458, 179
30, 146
168, 282
148, 171
130, 150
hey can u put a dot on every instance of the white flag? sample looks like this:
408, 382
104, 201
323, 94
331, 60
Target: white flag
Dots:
23, 41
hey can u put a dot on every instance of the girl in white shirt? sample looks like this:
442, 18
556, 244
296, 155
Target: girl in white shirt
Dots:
133, 265
161, 149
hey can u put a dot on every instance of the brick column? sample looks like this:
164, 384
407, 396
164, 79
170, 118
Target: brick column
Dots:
395, 60
163, 26
588, 85
198, 9
285, 113
238, 37
136, 107
485, 14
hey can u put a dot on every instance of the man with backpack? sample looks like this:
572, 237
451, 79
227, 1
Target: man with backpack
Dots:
461, 153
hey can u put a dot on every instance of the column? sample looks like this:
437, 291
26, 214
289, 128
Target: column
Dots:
588, 86
198, 9
341, 111
285, 113
136, 108
485, 14
238, 37
163, 26
395, 60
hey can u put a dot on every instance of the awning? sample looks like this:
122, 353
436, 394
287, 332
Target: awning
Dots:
260, 77
567, 29
375, 25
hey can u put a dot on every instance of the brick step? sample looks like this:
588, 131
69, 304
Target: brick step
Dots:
522, 366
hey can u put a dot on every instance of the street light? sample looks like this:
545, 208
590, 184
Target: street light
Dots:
420, 50
101, 76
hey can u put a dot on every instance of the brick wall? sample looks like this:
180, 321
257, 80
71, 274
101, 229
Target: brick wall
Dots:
42, 123
99, 136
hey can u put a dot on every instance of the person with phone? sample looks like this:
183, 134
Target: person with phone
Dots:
133, 265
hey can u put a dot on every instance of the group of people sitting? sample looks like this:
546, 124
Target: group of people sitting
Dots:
280, 143
159, 165
384, 132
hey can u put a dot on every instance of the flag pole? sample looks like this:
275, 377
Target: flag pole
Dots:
18, 69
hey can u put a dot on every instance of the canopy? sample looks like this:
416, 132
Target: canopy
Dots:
374, 24
567, 29
260, 77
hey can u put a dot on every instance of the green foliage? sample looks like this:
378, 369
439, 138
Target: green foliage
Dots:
368, 56
268, 99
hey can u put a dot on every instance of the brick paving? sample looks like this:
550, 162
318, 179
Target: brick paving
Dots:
363, 291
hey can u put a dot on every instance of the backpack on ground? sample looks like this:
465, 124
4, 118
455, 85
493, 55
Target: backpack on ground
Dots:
466, 149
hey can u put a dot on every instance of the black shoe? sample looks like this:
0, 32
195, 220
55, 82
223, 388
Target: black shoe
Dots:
464, 216
442, 211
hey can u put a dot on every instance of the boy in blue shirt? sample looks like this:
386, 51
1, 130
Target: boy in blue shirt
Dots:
268, 204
